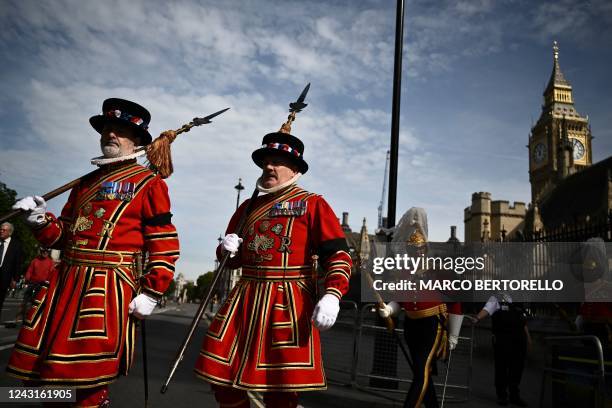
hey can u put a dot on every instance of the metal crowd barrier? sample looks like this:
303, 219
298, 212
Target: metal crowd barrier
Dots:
340, 347
371, 359
576, 369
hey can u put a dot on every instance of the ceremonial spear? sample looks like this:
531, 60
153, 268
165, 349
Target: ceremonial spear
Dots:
158, 156
160, 161
294, 108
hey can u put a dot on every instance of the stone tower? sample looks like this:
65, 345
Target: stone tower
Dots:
560, 141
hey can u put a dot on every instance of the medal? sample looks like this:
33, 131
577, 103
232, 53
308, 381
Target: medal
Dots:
111, 190
263, 227
277, 229
87, 209
288, 208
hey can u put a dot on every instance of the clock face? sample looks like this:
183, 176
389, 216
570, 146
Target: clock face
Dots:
539, 153
578, 149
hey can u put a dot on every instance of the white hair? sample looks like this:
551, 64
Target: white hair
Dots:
10, 227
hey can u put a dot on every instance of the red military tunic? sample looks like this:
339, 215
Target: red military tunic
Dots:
39, 269
78, 331
262, 337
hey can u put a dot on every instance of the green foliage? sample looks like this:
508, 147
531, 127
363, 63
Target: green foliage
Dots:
171, 288
190, 288
22, 231
203, 283
195, 293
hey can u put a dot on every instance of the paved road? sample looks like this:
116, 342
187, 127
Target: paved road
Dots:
166, 329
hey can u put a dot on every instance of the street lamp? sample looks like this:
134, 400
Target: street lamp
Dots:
216, 260
239, 187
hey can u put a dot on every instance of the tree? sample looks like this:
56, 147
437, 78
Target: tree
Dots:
22, 231
191, 292
203, 283
171, 289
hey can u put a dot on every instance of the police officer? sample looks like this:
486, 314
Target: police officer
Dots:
510, 341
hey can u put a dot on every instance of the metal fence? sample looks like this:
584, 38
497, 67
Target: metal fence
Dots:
340, 346
362, 354
577, 373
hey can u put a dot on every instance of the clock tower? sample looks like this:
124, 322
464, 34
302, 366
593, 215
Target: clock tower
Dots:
560, 141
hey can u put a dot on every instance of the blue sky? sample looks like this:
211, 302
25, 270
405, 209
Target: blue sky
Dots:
474, 73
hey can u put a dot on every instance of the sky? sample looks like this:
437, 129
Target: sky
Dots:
473, 76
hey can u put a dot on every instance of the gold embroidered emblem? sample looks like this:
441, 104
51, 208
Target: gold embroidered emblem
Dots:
260, 242
285, 242
87, 209
107, 229
251, 229
263, 227
81, 242
100, 212
277, 229
81, 224
258, 258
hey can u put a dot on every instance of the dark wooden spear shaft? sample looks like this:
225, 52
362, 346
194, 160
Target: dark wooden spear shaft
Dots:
198, 316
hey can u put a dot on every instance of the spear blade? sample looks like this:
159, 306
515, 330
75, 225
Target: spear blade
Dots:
298, 105
207, 119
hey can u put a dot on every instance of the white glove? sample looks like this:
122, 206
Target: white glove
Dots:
230, 243
579, 322
35, 208
454, 327
326, 312
142, 305
391, 309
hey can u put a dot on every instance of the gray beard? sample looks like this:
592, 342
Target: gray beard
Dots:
111, 151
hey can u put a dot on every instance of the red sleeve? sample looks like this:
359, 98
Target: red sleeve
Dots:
161, 239
329, 242
28, 274
454, 308
53, 232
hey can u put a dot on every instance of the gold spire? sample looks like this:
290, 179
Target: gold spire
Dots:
286, 127
555, 50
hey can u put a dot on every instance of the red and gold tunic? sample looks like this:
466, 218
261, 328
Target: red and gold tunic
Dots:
78, 331
262, 337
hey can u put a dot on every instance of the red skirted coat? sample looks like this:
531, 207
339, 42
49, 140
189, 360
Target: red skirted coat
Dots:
78, 332
262, 337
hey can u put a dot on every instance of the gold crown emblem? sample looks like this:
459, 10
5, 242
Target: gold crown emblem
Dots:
417, 237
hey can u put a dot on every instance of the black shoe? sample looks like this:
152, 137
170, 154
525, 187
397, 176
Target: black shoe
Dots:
503, 401
518, 402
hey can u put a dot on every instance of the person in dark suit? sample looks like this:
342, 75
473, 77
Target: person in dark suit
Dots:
11, 260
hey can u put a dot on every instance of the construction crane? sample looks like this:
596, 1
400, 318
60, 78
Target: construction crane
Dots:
384, 194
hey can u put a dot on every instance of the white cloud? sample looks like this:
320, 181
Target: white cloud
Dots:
186, 59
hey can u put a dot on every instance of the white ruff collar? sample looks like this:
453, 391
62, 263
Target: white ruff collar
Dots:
102, 161
274, 189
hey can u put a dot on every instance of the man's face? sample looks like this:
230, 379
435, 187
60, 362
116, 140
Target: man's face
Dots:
277, 169
5, 232
117, 140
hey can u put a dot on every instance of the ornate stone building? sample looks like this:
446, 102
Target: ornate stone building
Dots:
560, 141
486, 219
565, 188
